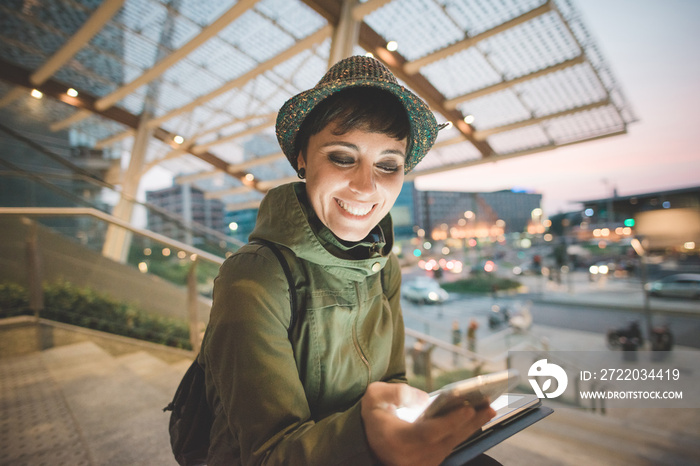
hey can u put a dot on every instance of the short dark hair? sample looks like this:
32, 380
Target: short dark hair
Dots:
365, 108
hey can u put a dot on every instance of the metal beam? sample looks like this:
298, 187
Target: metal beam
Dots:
14, 94
80, 115
185, 179
102, 143
415, 65
18, 76
372, 41
244, 119
317, 37
159, 68
497, 158
345, 34
265, 159
452, 103
246, 132
227, 192
483, 134
364, 9
92, 26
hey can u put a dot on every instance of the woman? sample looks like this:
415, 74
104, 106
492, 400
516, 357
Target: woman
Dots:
324, 391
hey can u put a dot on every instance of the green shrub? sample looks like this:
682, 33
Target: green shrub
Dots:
481, 284
14, 300
64, 302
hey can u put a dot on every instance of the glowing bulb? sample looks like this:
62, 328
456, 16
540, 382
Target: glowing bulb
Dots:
469, 119
72, 92
37, 94
392, 46
178, 139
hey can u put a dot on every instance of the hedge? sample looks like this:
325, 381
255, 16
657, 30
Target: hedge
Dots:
481, 284
64, 302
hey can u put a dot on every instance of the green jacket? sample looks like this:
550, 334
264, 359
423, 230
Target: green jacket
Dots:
294, 400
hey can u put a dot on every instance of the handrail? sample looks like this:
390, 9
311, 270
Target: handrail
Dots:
35, 286
91, 212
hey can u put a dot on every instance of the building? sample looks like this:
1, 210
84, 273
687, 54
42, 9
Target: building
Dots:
191, 206
613, 211
241, 223
669, 218
468, 214
402, 214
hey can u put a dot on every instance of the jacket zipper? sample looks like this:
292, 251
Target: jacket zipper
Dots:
356, 341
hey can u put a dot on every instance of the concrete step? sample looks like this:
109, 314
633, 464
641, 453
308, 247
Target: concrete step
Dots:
571, 436
36, 423
156, 372
118, 413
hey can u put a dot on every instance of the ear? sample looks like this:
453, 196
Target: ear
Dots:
301, 163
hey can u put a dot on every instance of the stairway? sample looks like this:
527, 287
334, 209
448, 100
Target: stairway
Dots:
79, 405
573, 436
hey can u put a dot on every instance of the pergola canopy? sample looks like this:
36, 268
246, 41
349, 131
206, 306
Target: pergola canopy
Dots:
206, 77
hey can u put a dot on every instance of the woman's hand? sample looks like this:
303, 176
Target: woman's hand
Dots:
424, 442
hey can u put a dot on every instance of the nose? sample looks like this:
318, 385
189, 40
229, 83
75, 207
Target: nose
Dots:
363, 180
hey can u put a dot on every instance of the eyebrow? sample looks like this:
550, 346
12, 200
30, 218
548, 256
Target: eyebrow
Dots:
354, 147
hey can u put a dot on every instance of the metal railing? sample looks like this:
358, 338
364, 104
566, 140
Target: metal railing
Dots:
33, 264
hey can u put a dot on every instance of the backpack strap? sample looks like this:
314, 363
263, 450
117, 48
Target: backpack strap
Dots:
191, 418
290, 279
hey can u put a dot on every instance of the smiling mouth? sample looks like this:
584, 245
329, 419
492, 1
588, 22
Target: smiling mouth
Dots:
356, 211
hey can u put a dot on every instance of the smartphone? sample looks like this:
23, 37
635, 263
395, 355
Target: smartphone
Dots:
478, 392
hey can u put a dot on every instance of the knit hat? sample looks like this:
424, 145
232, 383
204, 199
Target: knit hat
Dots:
358, 71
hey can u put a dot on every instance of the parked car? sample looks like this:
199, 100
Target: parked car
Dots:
682, 285
424, 290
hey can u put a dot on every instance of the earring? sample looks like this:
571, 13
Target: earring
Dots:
301, 173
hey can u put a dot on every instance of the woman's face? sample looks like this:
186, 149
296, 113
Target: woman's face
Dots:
353, 179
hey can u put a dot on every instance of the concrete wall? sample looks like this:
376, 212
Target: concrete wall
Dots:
24, 335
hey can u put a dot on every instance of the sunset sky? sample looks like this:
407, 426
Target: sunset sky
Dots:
652, 48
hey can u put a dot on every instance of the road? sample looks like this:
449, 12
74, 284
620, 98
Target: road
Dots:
436, 320
686, 330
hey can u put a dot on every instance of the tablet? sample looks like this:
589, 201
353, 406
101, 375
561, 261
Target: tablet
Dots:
478, 392
509, 406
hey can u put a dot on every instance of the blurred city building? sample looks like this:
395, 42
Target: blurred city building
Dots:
671, 214
188, 203
468, 214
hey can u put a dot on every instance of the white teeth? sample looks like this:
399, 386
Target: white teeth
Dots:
354, 210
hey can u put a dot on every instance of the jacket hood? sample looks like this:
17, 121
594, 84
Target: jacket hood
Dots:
283, 220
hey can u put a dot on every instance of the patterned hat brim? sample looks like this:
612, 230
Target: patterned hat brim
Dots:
424, 127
